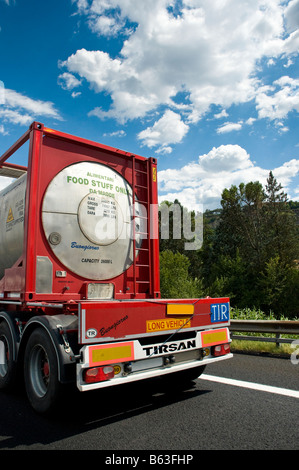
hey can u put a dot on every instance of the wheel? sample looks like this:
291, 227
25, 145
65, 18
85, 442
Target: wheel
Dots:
179, 380
8, 368
190, 374
41, 372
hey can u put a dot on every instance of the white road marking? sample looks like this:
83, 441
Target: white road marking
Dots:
2, 353
251, 385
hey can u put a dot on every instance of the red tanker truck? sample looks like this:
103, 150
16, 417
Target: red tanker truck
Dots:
79, 275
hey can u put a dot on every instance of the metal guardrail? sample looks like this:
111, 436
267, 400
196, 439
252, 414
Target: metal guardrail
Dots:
277, 327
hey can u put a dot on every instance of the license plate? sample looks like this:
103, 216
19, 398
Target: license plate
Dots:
147, 364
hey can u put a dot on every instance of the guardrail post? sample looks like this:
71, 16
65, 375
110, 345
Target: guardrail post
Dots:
277, 338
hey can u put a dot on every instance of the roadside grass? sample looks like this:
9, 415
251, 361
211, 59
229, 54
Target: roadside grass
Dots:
260, 347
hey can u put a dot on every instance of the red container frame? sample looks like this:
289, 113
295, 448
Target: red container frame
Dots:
49, 152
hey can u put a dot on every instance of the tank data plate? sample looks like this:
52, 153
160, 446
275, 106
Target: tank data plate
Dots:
87, 219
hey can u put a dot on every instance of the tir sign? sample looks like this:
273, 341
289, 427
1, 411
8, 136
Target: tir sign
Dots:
219, 312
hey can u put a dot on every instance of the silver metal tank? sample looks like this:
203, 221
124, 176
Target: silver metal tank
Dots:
86, 218
12, 208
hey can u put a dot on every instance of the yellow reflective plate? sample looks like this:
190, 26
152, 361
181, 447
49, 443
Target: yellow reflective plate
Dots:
210, 338
180, 309
108, 353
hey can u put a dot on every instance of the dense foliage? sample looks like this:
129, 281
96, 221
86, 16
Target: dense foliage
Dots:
250, 252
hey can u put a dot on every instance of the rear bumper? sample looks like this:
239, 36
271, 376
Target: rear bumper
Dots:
133, 361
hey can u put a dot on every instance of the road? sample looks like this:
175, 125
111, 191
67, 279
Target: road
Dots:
207, 416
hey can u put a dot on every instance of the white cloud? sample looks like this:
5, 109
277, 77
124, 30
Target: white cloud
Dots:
2, 130
36, 107
281, 127
105, 25
234, 126
204, 48
273, 104
296, 194
250, 121
285, 172
292, 15
229, 127
129, 89
20, 109
220, 115
164, 150
169, 129
203, 52
120, 133
67, 81
75, 94
202, 182
225, 158
15, 117
288, 64
2, 92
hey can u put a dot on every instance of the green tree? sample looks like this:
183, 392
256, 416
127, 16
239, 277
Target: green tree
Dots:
258, 237
248, 253
176, 228
280, 288
290, 296
241, 225
175, 280
179, 229
272, 283
171, 226
230, 277
280, 222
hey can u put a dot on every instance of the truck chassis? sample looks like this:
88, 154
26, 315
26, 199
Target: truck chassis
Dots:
58, 326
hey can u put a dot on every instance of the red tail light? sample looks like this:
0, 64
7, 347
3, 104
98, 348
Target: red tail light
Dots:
221, 349
98, 374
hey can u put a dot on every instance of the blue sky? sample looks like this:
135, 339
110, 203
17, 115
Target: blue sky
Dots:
209, 88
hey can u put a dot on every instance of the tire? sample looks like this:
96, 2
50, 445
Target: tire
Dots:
41, 372
190, 374
8, 367
181, 379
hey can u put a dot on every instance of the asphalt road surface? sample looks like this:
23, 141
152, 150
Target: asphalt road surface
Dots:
248, 402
